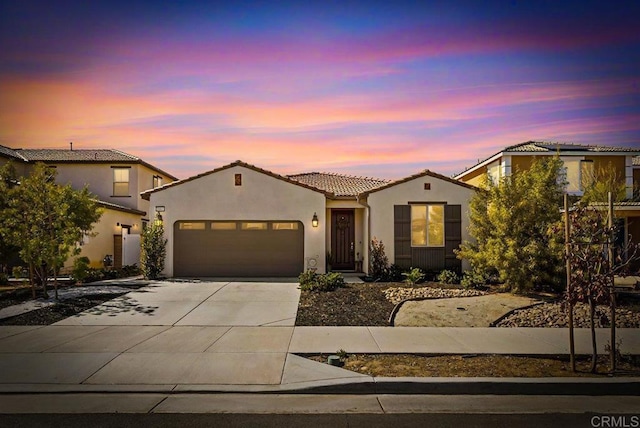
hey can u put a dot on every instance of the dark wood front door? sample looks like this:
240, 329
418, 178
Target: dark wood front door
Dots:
343, 239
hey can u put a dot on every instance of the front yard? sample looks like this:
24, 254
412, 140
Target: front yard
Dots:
372, 304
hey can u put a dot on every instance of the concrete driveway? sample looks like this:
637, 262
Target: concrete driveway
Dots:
166, 333
198, 304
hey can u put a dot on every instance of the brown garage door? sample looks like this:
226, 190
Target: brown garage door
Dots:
238, 248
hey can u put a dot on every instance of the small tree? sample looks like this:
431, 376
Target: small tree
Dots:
591, 266
605, 180
511, 223
153, 249
47, 221
8, 181
379, 260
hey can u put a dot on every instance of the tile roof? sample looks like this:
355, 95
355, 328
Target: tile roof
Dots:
541, 146
339, 184
79, 155
551, 147
6, 151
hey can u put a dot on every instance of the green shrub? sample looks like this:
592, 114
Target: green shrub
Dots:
311, 281
448, 277
17, 272
379, 260
153, 249
307, 278
393, 274
413, 276
474, 278
129, 270
80, 269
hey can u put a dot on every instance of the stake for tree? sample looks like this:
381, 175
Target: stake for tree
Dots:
612, 348
567, 249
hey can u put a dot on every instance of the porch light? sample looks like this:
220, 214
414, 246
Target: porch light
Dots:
314, 220
158, 220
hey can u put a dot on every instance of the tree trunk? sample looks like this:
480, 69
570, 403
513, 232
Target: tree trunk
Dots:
32, 280
567, 249
612, 302
594, 347
55, 283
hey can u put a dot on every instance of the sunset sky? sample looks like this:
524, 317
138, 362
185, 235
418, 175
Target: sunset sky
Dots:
382, 89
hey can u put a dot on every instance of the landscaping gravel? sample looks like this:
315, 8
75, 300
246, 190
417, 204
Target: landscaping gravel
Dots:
554, 315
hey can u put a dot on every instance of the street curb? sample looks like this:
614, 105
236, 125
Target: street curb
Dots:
391, 386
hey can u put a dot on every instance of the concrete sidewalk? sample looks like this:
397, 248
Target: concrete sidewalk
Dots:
240, 337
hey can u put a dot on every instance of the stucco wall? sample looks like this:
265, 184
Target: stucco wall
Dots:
99, 177
382, 202
96, 247
261, 197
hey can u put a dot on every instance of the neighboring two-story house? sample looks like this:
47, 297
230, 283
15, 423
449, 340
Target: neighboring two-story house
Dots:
581, 163
116, 179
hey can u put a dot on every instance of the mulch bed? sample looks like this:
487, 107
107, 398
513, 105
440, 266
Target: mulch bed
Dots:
59, 311
353, 305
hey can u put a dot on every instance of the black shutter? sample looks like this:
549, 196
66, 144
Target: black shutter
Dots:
452, 236
402, 235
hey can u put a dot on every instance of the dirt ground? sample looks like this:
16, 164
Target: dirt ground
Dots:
401, 365
477, 311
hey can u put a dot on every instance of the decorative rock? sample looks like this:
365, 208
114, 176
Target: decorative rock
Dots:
554, 315
397, 295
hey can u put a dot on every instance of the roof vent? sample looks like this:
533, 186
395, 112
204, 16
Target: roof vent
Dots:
71, 145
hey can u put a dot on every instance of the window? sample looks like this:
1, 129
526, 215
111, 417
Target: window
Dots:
223, 225
427, 225
285, 226
192, 225
157, 181
254, 226
120, 181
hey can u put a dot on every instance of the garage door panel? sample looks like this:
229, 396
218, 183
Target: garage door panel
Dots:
239, 252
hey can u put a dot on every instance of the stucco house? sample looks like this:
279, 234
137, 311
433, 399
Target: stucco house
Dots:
116, 178
581, 162
242, 220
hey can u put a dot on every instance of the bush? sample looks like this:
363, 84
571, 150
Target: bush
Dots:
307, 278
80, 270
448, 277
311, 281
379, 260
153, 249
4, 279
413, 276
474, 279
17, 272
129, 270
394, 273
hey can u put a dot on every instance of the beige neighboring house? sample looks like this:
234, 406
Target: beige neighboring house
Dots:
580, 164
117, 179
241, 220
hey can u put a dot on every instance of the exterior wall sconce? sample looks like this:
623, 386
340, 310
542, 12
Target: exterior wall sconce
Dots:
314, 220
158, 219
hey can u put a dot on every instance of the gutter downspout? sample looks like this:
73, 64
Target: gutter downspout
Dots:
362, 200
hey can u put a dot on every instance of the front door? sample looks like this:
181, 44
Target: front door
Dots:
343, 239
